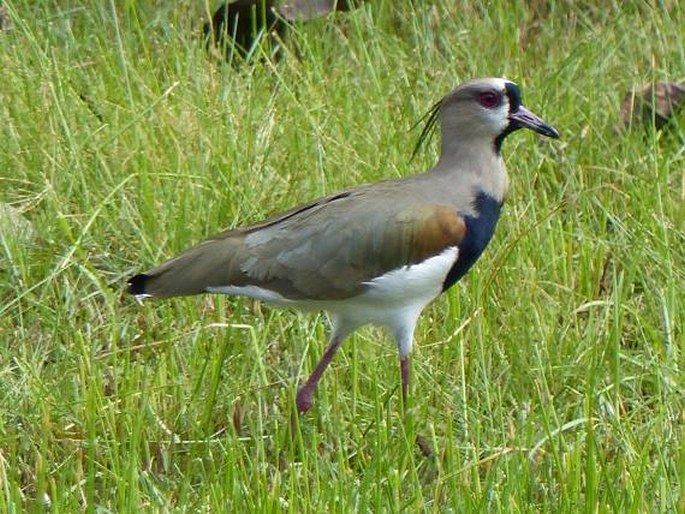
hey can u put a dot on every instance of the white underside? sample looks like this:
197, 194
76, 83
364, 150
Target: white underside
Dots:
394, 300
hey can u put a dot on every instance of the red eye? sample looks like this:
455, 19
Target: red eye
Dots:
489, 99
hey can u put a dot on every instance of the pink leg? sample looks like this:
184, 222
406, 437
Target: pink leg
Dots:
404, 370
306, 392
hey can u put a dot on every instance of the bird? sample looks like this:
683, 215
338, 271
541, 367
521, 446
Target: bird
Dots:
377, 253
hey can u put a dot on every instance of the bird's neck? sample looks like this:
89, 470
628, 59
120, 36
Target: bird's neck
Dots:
476, 163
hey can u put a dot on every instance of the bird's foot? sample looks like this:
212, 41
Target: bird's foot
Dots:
303, 402
304, 399
425, 446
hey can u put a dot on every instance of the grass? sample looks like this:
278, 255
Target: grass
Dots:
549, 380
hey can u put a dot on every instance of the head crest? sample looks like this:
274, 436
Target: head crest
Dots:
431, 119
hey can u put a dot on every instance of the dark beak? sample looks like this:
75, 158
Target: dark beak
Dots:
523, 118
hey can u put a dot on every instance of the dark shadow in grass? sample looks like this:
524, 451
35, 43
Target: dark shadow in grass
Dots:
237, 28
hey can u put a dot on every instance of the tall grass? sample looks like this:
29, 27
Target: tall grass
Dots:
550, 379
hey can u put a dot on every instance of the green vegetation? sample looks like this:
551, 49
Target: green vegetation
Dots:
550, 380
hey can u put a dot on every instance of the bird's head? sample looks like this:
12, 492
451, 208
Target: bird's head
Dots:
483, 110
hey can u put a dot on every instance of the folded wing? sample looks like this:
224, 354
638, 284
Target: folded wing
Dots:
325, 250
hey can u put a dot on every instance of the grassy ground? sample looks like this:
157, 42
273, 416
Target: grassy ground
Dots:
550, 380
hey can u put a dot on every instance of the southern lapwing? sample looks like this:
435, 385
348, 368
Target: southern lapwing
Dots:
377, 253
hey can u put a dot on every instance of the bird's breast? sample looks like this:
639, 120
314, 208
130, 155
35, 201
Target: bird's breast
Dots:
479, 230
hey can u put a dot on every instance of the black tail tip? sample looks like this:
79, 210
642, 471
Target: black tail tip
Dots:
136, 284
